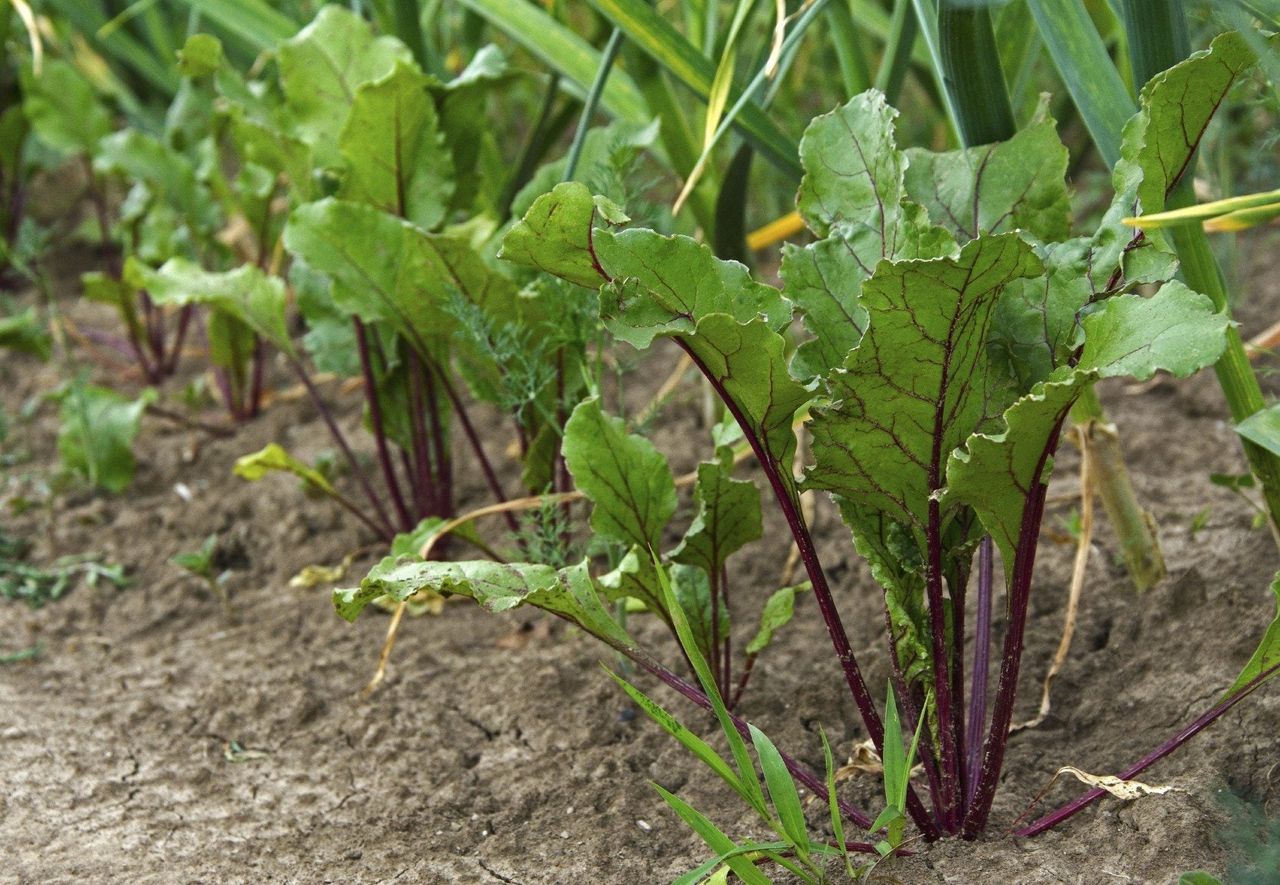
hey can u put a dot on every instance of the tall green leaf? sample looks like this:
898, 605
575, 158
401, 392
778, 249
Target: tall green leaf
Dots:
323, 66
396, 156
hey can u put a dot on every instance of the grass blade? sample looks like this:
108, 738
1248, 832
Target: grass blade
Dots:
751, 791
677, 730
253, 21
562, 50
1087, 70
724, 847
782, 790
668, 47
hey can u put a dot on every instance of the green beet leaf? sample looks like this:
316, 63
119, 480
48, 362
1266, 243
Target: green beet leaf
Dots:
776, 614
62, 108
497, 586
273, 459
1176, 331
1019, 184
728, 518
853, 198
1160, 141
323, 67
248, 294
396, 157
919, 383
385, 269
624, 475
24, 333
555, 234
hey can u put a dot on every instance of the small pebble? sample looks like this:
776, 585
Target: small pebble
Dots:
569, 810
644, 825
564, 834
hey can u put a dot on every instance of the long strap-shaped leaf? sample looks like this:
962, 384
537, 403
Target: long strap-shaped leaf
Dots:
562, 50
255, 21
1087, 70
667, 46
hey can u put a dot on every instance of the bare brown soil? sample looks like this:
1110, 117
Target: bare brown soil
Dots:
498, 751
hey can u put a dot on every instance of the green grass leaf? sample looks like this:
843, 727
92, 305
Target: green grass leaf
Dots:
716, 840
560, 49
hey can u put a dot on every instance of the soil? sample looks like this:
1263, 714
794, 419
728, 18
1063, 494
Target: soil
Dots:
497, 751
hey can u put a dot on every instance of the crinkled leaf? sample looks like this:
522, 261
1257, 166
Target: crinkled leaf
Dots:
1160, 141
625, 477
246, 293
776, 614
497, 586
919, 384
635, 577
1019, 184
555, 234
728, 518
323, 66
996, 474
667, 285
396, 157
676, 287
1176, 330
853, 171
853, 197
385, 269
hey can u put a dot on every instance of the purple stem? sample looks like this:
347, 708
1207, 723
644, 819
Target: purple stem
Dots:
949, 787
184, 321
975, 819
911, 713
223, 381
1189, 731
443, 481
383, 524
981, 668
424, 487
959, 584
122, 346
821, 590
469, 429
259, 369
379, 430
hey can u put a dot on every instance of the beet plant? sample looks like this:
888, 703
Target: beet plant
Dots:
363, 190
953, 321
